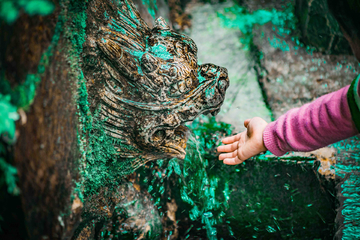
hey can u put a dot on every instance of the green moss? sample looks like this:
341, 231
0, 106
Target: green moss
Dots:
347, 169
40, 7
8, 116
75, 21
10, 10
98, 165
283, 24
161, 52
9, 177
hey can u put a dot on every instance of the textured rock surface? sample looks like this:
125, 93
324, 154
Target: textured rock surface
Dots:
295, 77
319, 28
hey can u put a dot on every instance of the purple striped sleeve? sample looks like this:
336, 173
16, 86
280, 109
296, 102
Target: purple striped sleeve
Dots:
317, 124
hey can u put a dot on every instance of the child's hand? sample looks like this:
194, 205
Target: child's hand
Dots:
244, 145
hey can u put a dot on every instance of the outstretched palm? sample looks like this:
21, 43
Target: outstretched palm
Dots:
245, 144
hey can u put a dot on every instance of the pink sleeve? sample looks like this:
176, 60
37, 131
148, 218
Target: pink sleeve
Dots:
317, 124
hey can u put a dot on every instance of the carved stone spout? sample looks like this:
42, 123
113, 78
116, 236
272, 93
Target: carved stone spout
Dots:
146, 83
143, 86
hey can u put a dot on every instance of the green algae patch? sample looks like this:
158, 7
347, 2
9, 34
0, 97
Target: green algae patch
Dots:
238, 17
161, 52
347, 170
76, 17
99, 165
9, 173
10, 10
22, 96
282, 22
8, 116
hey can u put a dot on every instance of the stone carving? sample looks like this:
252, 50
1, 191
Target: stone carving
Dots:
143, 84
146, 83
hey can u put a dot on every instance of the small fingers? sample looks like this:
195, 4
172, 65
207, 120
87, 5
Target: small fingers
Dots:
232, 161
228, 155
228, 148
246, 122
231, 139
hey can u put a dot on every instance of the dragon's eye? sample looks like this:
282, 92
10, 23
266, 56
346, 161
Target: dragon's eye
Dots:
158, 136
222, 85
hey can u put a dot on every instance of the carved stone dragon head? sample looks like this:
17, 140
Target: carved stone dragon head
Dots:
146, 83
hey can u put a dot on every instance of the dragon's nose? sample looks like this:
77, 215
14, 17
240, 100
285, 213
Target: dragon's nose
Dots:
213, 72
223, 81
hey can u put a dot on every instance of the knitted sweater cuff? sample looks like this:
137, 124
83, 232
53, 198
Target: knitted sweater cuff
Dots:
270, 142
353, 100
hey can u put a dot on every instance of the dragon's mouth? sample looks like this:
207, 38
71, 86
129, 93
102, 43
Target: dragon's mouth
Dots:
174, 151
174, 144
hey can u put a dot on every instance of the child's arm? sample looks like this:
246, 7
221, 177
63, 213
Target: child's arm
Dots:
317, 124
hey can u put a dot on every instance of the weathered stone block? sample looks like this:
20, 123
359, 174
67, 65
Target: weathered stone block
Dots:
319, 28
